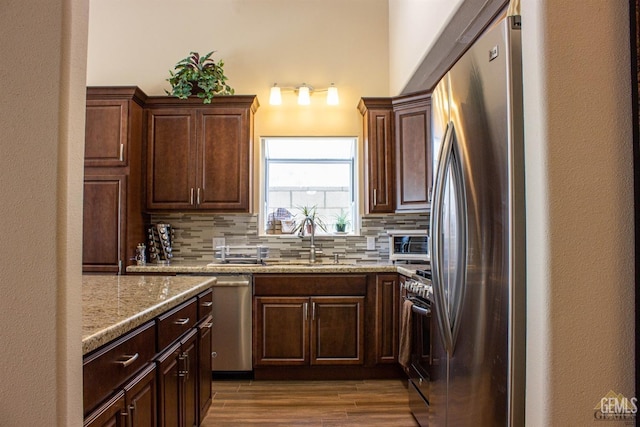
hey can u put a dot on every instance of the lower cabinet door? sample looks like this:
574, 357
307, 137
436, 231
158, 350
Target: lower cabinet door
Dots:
110, 414
189, 359
281, 331
169, 378
103, 235
141, 397
337, 330
204, 368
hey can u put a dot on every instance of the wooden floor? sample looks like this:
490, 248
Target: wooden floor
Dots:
310, 403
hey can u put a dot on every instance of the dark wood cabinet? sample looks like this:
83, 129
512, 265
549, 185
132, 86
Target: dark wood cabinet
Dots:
413, 154
113, 193
297, 331
106, 128
200, 157
337, 330
281, 331
178, 383
398, 153
158, 374
103, 236
387, 318
309, 320
141, 398
111, 414
205, 391
378, 133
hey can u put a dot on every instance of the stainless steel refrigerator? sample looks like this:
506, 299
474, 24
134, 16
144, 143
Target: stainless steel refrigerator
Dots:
478, 236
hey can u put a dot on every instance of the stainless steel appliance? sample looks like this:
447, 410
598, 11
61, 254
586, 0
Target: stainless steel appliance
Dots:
419, 291
477, 244
231, 330
410, 246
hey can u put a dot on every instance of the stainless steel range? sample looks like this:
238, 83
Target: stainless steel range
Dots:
419, 291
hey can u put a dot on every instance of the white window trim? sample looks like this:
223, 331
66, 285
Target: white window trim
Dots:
356, 223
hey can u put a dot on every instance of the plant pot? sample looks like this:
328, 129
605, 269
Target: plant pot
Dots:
341, 228
195, 89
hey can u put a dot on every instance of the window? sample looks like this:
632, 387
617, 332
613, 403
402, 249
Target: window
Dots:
308, 172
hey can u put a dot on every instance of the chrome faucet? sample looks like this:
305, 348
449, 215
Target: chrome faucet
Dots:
313, 251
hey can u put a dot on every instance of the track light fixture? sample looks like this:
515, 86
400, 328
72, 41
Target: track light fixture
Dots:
304, 92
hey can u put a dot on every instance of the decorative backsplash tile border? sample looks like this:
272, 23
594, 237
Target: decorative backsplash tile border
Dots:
194, 233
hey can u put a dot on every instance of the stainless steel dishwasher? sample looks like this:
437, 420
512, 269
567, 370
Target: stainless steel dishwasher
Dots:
231, 331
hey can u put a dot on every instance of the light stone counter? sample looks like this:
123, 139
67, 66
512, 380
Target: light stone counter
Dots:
115, 305
277, 267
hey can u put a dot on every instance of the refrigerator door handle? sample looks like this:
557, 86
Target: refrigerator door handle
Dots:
435, 240
460, 281
449, 304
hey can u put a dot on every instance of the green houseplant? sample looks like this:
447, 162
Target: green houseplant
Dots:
310, 219
199, 75
342, 221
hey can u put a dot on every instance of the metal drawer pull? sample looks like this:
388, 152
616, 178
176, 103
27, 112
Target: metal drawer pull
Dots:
181, 321
207, 325
207, 304
129, 361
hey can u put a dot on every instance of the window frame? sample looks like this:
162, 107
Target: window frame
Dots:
353, 163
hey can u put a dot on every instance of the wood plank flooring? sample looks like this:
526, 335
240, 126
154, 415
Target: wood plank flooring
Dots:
310, 403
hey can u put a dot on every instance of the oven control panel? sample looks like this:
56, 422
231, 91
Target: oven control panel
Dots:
421, 288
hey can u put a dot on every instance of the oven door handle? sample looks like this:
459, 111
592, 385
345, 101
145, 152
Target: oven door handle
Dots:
421, 311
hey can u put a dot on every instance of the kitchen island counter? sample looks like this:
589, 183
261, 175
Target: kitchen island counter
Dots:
114, 305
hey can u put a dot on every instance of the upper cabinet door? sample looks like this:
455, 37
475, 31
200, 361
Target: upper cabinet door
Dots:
224, 158
412, 120
106, 133
199, 157
171, 154
379, 154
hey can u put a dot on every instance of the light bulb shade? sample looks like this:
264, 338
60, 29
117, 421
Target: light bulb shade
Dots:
332, 95
303, 95
275, 97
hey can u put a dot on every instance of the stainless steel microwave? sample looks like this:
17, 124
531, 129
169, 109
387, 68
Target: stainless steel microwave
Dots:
409, 245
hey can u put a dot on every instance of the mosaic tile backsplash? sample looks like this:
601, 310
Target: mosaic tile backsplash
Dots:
194, 233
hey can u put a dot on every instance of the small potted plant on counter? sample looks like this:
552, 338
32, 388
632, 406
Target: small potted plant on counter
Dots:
199, 75
342, 221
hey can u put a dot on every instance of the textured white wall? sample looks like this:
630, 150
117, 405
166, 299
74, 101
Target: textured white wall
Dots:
579, 206
413, 26
317, 42
43, 50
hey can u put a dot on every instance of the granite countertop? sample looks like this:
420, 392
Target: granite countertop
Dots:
114, 305
277, 267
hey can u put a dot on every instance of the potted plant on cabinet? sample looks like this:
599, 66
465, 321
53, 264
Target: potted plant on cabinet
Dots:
199, 75
342, 221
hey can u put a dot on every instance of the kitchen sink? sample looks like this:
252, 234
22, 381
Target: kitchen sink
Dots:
303, 263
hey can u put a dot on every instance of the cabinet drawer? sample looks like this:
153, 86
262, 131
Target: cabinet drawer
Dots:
310, 284
205, 304
107, 368
176, 322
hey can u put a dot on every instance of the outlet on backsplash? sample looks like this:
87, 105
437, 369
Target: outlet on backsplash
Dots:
218, 241
371, 243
